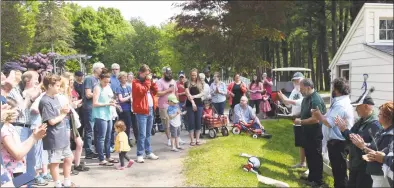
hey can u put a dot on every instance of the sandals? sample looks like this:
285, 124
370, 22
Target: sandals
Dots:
112, 161
106, 163
180, 148
192, 143
198, 143
175, 150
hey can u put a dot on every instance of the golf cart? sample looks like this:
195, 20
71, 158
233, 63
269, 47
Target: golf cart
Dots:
286, 86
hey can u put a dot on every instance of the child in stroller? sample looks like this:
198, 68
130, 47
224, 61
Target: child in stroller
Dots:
212, 121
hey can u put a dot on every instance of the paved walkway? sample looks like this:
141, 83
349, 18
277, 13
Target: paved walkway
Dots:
165, 172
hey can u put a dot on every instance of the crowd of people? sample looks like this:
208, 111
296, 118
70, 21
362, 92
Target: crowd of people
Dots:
367, 142
50, 119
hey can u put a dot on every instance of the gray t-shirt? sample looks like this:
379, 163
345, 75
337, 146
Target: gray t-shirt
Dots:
89, 83
56, 137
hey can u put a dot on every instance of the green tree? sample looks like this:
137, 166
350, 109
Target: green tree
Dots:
15, 34
53, 29
146, 45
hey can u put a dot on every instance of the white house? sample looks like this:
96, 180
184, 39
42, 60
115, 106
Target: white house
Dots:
368, 49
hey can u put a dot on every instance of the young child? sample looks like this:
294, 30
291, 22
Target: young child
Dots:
207, 113
56, 141
265, 105
174, 113
122, 144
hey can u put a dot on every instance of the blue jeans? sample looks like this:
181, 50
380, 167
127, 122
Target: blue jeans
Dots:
89, 127
103, 132
145, 123
194, 118
219, 107
24, 134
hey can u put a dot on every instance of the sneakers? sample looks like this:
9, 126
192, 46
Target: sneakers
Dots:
91, 156
299, 165
81, 168
152, 156
119, 167
140, 159
181, 142
131, 162
169, 142
39, 181
174, 150
47, 177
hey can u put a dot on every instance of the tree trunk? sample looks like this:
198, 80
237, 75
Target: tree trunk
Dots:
346, 22
285, 55
297, 50
340, 27
291, 54
310, 49
277, 51
323, 45
333, 28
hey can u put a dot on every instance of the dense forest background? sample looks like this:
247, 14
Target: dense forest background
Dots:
247, 37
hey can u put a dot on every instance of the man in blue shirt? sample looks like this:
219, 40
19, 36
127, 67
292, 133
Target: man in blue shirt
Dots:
115, 83
336, 143
114, 77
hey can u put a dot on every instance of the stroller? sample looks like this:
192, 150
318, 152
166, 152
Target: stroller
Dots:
213, 122
277, 106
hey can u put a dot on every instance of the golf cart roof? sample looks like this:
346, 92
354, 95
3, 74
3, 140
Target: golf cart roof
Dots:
286, 69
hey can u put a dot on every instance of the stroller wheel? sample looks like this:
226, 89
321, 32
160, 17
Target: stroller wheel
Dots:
255, 136
224, 131
236, 130
153, 131
212, 133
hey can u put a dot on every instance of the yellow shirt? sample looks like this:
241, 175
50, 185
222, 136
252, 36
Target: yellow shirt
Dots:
122, 137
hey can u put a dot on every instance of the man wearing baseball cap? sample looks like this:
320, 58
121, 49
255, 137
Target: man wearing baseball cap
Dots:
166, 86
366, 127
294, 101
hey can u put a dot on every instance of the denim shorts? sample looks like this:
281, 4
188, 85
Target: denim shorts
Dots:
55, 156
175, 131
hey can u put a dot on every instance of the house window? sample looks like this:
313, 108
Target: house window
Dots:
386, 27
343, 72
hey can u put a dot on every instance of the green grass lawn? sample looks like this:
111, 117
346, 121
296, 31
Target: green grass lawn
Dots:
217, 163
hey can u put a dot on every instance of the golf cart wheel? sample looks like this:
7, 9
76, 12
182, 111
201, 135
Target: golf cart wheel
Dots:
212, 133
255, 136
224, 131
153, 131
236, 130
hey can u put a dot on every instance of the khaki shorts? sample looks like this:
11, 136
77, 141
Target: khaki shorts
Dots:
165, 120
56, 155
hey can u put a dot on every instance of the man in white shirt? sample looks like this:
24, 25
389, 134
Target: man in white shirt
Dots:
294, 101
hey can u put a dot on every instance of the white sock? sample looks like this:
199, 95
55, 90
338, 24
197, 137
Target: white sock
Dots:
67, 182
44, 174
58, 183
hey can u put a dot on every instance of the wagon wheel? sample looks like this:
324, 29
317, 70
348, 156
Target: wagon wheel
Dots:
224, 131
212, 133
236, 130
255, 136
153, 131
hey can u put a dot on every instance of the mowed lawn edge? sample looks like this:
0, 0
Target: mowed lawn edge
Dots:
217, 163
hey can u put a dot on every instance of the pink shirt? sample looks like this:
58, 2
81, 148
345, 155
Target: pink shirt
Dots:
12, 165
163, 85
254, 87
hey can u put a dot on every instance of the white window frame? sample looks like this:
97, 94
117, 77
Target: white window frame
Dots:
377, 30
341, 73
338, 71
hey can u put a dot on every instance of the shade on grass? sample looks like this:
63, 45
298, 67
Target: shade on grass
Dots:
217, 163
